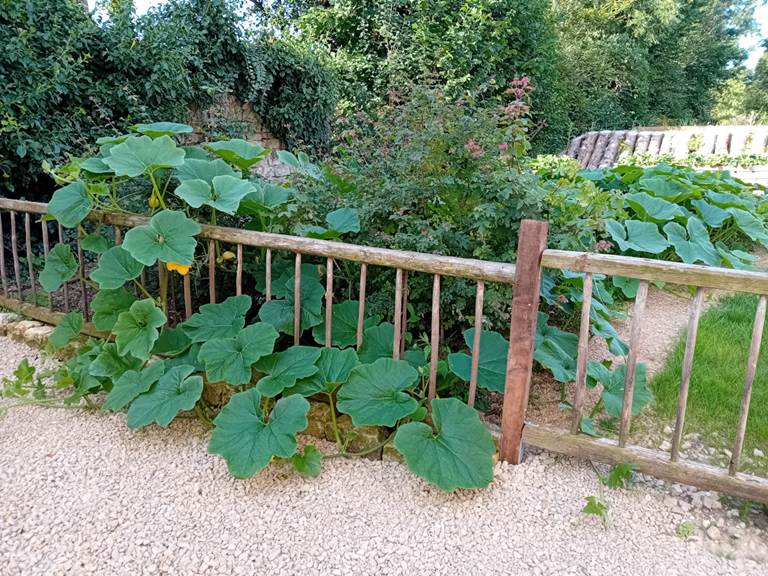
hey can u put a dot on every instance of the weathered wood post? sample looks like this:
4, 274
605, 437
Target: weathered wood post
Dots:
522, 334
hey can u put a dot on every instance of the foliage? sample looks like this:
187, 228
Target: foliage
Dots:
68, 77
155, 369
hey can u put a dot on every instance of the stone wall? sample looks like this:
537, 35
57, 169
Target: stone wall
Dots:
227, 115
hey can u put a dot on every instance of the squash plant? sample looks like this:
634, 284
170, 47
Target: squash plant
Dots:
156, 371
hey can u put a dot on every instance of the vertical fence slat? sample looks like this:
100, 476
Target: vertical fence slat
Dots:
268, 274
749, 379
2, 258
328, 302
525, 307
187, 296
583, 354
297, 301
83, 291
404, 322
635, 335
15, 254
212, 271
118, 236
434, 341
239, 272
685, 378
361, 304
46, 249
480, 295
30, 255
66, 284
398, 313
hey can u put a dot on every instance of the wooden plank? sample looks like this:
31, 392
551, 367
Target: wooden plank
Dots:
398, 313
641, 145
654, 144
15, 254
635, 337
404, 312
587, 146
573, 147
328, 302
749, 380
680, 146
48, 316
627, 146
81, 272
187, 296
525, 307
2, 258
239, 271
361, 305
476, 343
597, 152
413, 261
66, 284
722, 141
648, 461
434, 341
30, 255
666, 142
268, 275
612, 149
685, 378
46, 250
582, 355
297, 300
658, 270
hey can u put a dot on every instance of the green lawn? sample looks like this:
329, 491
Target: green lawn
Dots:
718, 376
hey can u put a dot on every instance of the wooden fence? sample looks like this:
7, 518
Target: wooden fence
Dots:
524, 276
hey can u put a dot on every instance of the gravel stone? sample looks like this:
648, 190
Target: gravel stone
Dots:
81, 494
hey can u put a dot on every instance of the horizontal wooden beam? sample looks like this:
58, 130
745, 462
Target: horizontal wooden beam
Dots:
658, 271
648, 461
406, 260
46, 315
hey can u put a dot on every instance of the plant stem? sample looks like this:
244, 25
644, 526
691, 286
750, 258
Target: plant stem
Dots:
203, 417
144, 290
334, 424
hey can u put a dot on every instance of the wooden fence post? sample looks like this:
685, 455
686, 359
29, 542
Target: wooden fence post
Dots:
522, 334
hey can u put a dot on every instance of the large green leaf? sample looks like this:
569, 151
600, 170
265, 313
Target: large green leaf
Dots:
111, 365
136, 330
343, 324
239, 152
492, 366
712, 215
108, 305
613, 387
458, 455
247, 441
556, 349
206, 170
67, 329
95, 243
60, 267
638, 236
230, 359
692, 243
283, 369
131, 384
265, 198
175, 391
171, 342
116, 267
139, 155
95, 166
222, 320
750, 225
648, 207
223, 194
168, 237
157, 129
70, 204
724, 200
343, 220
667, 188
377, 343
279, 312
375, 394
333, 366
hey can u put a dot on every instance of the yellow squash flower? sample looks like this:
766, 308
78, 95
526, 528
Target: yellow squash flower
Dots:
180, 268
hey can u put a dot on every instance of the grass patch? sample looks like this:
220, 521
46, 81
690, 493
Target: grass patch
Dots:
717, 380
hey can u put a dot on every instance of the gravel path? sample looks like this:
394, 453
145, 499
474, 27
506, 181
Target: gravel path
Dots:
81, 494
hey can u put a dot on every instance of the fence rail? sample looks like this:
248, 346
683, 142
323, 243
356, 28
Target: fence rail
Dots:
524, 277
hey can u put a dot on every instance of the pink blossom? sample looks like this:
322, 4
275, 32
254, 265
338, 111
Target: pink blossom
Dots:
503, 146
474, 148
